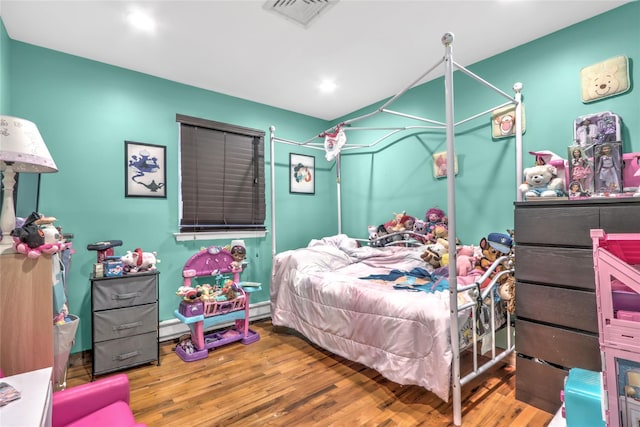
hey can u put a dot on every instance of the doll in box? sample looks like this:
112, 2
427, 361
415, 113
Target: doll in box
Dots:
580, 168
608, 171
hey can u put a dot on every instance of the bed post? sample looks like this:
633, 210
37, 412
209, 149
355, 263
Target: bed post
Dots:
338, 191
517, 87
272, 133
447, 40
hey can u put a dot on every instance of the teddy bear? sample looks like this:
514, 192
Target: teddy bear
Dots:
434, 253
542, 181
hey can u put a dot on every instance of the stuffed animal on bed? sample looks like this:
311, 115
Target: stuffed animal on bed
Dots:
434, 253
376, 236
542, 181
400, 222
466, 260
493, 247
420, 230
436, 224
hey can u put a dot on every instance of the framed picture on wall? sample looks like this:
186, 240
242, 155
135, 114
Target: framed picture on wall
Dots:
302, 174
503, 122
145, 172
440, 164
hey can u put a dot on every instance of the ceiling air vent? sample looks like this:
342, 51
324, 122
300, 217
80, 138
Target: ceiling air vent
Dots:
302, 12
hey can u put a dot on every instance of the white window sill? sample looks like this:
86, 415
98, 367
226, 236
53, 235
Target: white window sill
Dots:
216, 235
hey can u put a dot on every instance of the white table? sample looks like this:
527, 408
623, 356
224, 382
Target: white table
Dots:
34, 406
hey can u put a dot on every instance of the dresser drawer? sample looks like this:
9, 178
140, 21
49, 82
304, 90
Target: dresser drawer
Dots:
563, 347
539, 384
620, 219
124, 322
123, 291
562, 225
558, 266
125, 352
569, 308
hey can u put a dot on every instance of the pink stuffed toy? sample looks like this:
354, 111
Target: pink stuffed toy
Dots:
33, 253
465, 263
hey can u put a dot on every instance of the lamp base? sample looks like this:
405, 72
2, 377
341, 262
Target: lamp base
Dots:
8, 216
7, 248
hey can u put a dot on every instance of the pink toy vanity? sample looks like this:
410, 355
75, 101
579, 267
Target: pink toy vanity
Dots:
214, 262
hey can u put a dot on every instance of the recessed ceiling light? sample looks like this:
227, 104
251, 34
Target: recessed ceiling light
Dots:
328, 86
141, 21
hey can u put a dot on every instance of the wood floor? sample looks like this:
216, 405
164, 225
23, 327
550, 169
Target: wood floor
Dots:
283, 380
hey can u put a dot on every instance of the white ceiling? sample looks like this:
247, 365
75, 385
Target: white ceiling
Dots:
371, 48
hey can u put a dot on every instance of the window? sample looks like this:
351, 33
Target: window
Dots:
222, 176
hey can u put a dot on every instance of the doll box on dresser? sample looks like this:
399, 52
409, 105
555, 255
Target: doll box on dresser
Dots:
597, 165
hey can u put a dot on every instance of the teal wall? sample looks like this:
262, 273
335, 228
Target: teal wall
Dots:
400, 176
86, 110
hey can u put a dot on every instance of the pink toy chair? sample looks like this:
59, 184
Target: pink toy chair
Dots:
102, 403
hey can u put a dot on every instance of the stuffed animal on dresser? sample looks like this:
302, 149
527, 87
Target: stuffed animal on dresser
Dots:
541, 181
137, 260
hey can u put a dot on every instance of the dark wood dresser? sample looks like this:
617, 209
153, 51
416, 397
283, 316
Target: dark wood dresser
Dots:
557, 323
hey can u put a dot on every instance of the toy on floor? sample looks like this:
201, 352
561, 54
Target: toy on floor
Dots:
206, 305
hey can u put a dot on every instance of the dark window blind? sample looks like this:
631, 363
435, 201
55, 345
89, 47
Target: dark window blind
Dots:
222, 171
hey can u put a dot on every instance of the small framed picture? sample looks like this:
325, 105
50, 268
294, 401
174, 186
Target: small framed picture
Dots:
145, 172
302, 174
440, 164
503, 122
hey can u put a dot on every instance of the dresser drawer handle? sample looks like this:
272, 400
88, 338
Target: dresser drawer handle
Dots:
126, 326
127, 355
126, 296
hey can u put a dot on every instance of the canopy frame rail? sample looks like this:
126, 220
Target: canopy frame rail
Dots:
449, 127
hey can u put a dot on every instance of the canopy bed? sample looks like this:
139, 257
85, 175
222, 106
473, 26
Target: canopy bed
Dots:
324, 292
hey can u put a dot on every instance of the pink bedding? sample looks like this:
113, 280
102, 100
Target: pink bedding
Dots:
404, 335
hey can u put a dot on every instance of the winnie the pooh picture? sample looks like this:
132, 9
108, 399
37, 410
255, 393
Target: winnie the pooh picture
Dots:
604, 79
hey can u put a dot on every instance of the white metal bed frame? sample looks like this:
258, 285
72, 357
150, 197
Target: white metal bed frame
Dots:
449, 65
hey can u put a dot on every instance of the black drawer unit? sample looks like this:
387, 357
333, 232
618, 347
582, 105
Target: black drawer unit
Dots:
125, 321
557, 319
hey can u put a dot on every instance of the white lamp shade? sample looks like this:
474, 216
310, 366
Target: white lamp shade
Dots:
22, 147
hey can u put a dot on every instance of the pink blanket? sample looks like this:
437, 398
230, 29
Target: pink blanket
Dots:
404, 335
